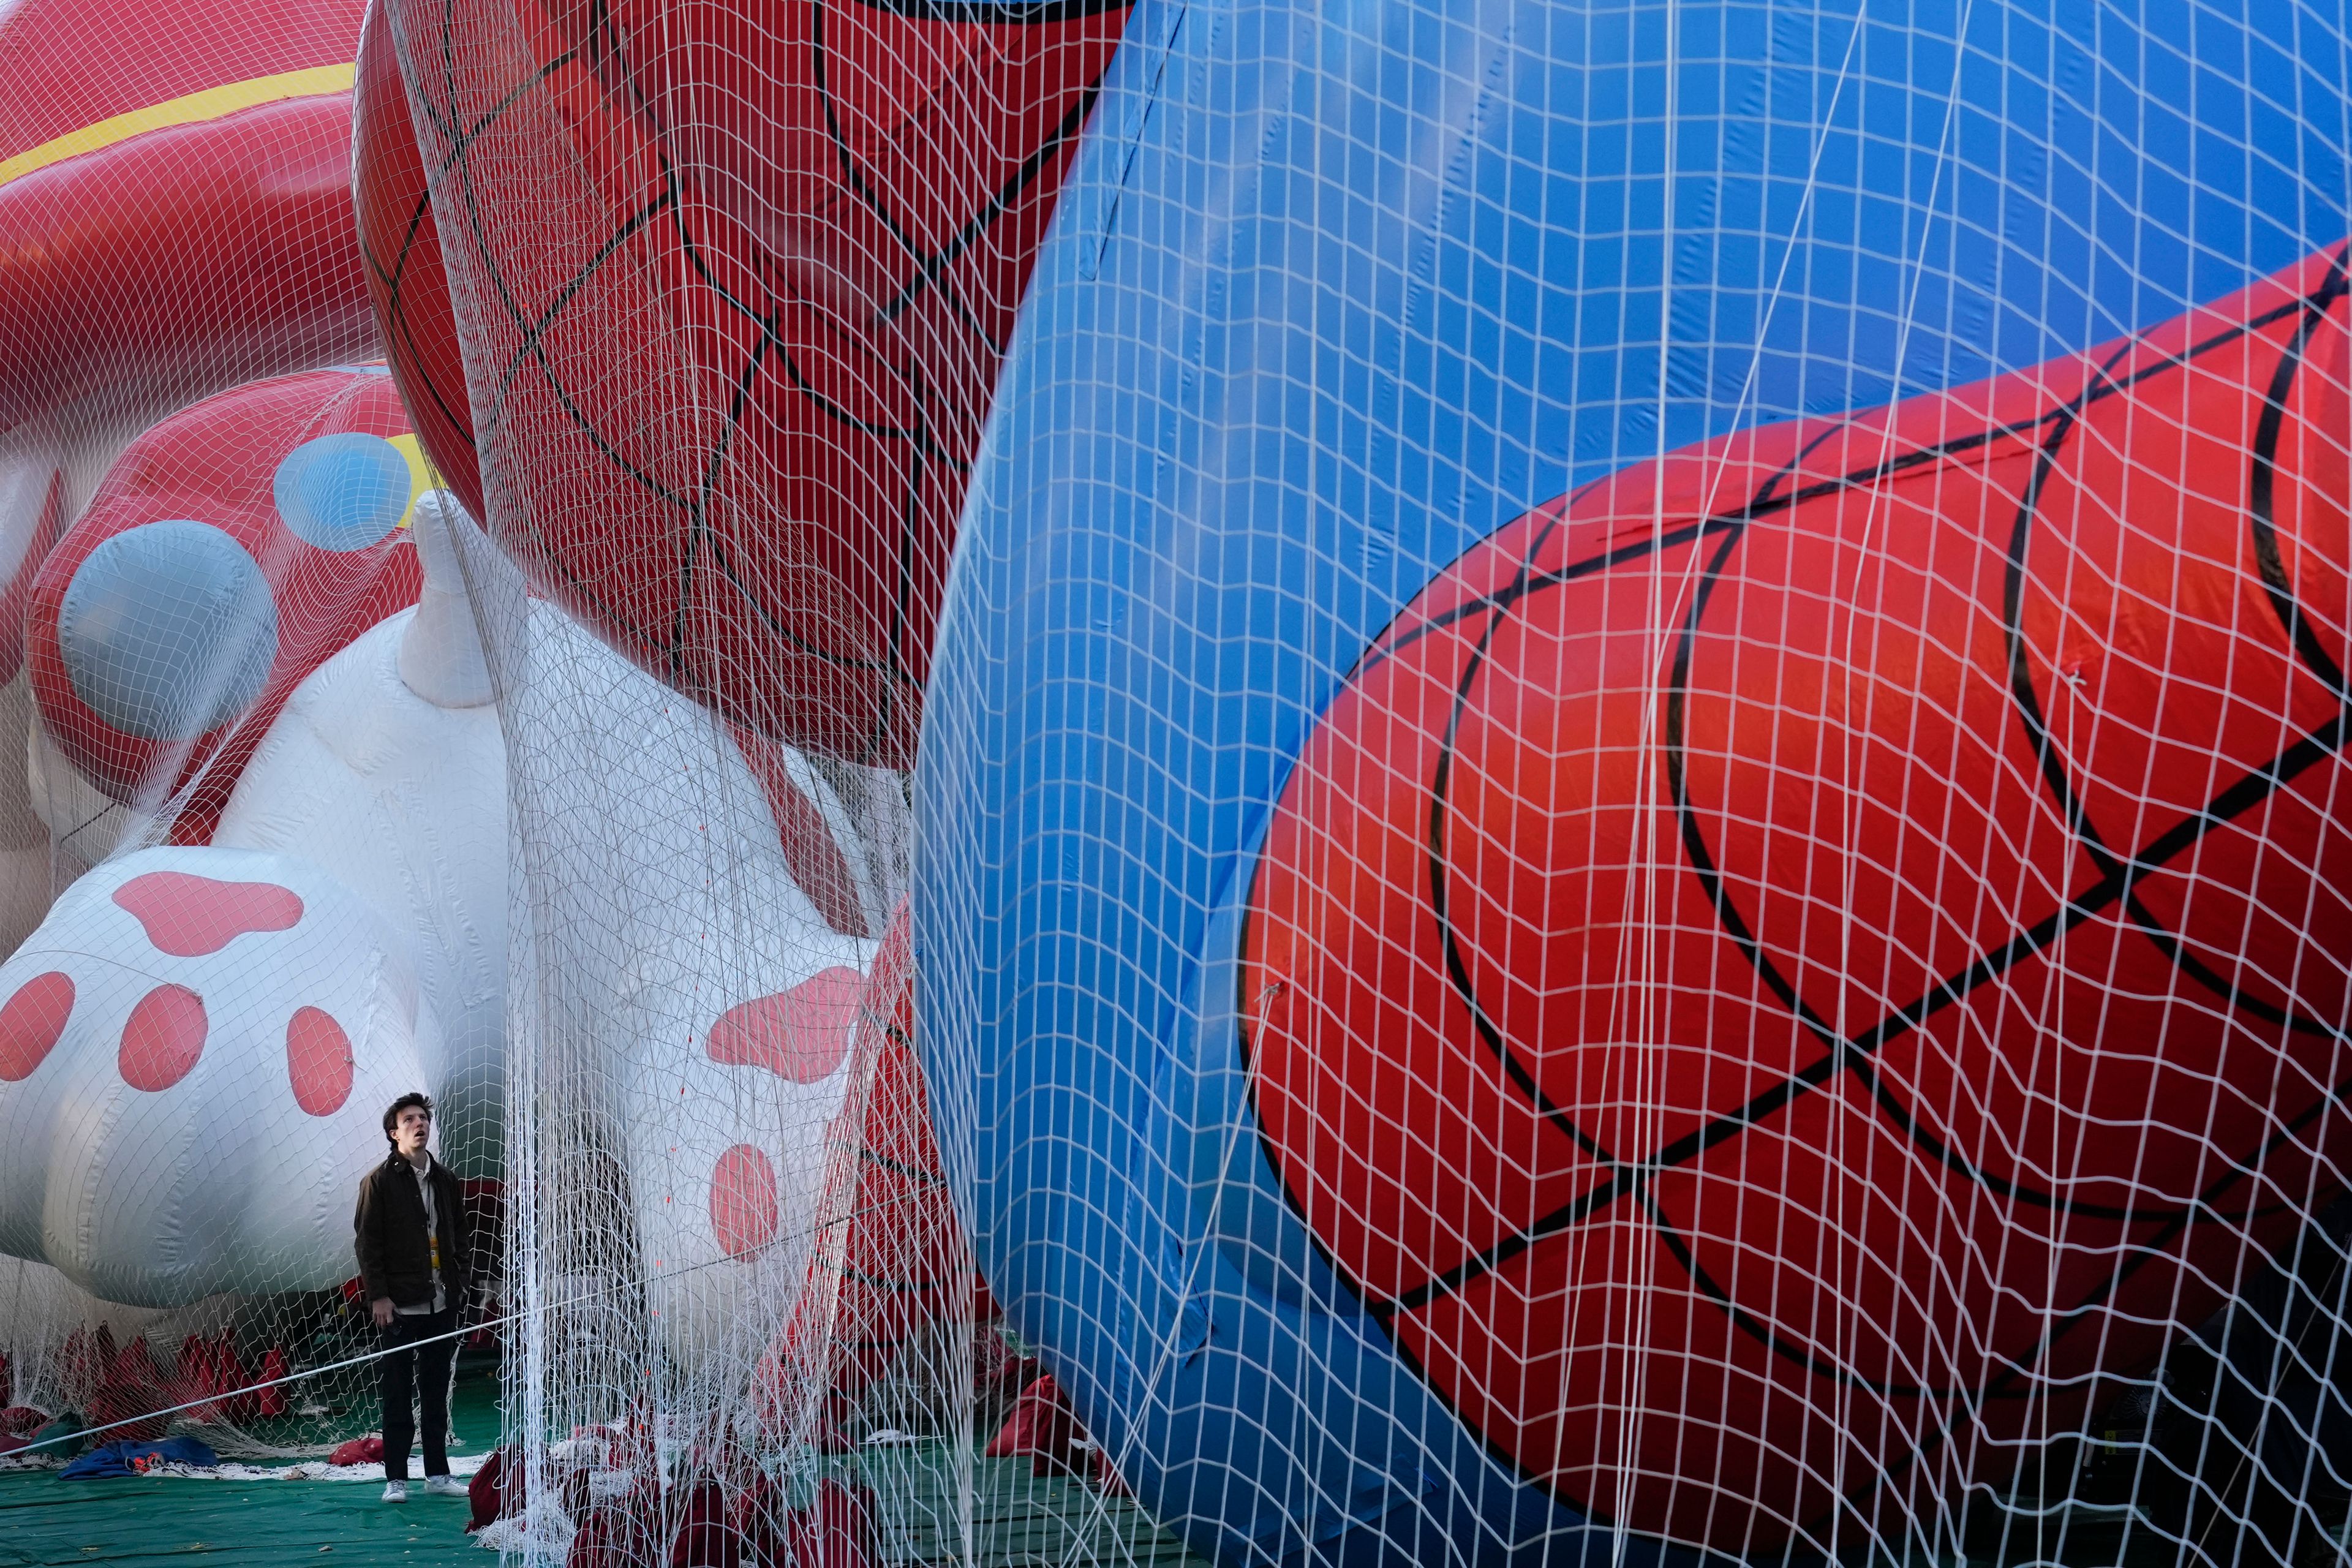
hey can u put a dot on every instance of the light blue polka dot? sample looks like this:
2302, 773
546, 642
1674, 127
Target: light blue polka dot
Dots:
168, 630
342, 492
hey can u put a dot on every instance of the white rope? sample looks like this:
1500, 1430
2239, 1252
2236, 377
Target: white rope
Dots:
361, 1359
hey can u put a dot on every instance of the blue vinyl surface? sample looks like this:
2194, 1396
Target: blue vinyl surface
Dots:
1335, 290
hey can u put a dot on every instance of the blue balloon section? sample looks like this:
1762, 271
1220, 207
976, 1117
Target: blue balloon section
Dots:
168, 629
342, 492
1337, 289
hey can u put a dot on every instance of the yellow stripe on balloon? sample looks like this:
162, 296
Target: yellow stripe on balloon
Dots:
422, 476
195, 108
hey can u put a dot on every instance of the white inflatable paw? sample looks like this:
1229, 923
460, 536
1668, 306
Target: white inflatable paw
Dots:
727, 1052
726, 1110
404, 801
196, 1047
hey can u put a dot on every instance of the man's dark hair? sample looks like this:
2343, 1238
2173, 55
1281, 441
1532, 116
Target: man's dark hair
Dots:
423, 1102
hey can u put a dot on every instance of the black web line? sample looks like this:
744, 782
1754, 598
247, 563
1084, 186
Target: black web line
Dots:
603, 54
2116, 882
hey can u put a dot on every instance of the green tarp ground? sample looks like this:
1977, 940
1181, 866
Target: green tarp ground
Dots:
139, 1521
1018, 1521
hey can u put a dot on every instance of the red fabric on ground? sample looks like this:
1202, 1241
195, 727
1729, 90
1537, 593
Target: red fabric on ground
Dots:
762, 1523
131, 1389
836, 1531
705, 1537
1042, 1426
367, 1450
496, 1491
271, 1400
614, 1535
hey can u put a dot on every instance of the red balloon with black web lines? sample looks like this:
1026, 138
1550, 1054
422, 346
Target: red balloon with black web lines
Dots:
740, 279
1780, 968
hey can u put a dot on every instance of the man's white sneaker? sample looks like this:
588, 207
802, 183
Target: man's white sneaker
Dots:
445, 1486
396, 1491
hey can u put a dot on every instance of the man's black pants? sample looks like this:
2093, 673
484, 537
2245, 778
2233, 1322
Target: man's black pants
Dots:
424, 1369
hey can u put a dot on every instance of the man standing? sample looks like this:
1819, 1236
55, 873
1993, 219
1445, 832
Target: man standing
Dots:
412, 1245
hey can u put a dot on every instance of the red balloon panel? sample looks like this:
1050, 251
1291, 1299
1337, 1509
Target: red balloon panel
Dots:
227, 554
175, 211
740, 278
1781, 967
406, 282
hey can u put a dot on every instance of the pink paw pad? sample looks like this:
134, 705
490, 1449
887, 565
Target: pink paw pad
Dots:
190, 916
802, 1034
743, 1210
32, 1022
317, 1061
163, 1038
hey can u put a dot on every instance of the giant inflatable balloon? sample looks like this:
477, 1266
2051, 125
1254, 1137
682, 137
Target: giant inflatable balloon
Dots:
253, 650
407, 283
2060, 563
257, 646
233, 548
733, 283
162, 1165
1631, 785
1632, 796
175, 219
193, 1026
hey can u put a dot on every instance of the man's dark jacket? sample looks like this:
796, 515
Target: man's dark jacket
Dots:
388, 1234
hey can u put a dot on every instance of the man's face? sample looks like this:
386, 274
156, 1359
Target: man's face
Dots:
410, 1130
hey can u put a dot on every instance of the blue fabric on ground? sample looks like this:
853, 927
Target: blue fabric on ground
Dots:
137, 1459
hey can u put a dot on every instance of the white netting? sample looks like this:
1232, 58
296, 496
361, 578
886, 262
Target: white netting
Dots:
201, 498
1483, 784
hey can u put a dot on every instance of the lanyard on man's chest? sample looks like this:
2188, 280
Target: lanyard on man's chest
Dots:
425, 1201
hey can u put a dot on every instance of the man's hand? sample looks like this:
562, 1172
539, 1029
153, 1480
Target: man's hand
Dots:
381, 1310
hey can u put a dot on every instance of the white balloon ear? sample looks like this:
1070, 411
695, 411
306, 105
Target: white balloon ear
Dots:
441, 656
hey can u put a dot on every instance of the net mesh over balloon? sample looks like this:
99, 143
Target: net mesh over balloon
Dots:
1546, 878
203, 495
